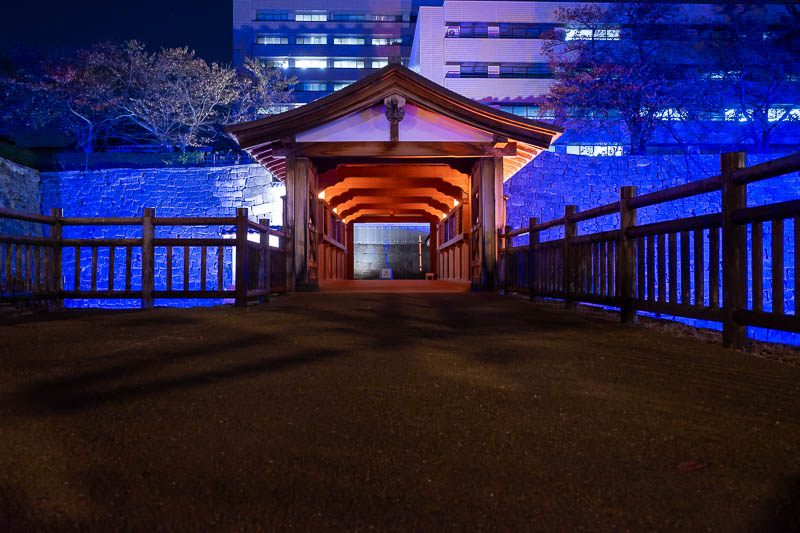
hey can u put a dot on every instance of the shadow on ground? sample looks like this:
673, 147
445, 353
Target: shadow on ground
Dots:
393, 411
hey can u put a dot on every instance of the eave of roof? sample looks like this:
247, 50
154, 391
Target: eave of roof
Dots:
371, 90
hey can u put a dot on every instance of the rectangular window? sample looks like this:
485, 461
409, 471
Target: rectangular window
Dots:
348, 63
276, 62
272, 15
314, 86
341, 84
379, 63
347, 17
579, 34
271, 39
387, 41
525, 30
529, 71
311, 39
311, 17
311, 62
478, 30
348, 40
595, 150
474, 70
386, 18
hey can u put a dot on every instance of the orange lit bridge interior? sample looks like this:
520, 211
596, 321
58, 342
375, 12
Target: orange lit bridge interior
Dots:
394, 147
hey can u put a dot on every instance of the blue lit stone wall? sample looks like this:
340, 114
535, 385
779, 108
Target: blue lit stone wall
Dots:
19, 189
172, 192
553, 180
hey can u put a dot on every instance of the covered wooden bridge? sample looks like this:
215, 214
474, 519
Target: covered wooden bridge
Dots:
394, 147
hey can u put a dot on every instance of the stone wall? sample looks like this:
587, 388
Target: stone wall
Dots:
172, 192
19, 189
552, 181
378, 246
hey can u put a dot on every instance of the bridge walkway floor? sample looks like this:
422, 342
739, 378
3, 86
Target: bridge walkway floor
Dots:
390, 411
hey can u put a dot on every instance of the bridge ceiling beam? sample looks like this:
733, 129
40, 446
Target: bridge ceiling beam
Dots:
392, 200
393, 208
429, 192
400, 213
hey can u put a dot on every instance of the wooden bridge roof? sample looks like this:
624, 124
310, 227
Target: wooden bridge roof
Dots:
365, 160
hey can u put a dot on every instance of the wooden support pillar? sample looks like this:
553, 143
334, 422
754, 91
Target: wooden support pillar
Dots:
434, 250
568, 267
298, 176
626, 269
266, 254
734, 252
488, 176
242, 259
533, 241
351, 251
57, 278
148, 257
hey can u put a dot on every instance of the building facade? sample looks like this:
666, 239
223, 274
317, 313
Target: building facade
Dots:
326, 45
493, 52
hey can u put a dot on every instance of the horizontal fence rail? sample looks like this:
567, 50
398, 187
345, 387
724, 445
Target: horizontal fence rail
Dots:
32, 267
649, 267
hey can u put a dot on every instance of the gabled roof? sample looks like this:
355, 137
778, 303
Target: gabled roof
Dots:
256, 137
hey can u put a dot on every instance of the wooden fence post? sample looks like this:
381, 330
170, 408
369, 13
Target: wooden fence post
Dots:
533, 240
148, 257
267, 254
56, 272
734, 252
506, 259
626, 275
242, 265
567, 267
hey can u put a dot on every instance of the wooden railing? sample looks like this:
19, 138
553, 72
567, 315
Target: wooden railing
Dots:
649, 267
33, 266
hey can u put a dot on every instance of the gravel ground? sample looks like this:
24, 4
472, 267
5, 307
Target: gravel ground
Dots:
391, 412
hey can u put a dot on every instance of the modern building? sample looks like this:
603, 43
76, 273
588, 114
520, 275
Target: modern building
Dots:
492, 52
326, 45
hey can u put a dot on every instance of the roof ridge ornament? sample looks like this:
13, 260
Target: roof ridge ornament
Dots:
395, 108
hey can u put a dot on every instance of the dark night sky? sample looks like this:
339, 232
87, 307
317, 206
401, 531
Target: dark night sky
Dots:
203, 25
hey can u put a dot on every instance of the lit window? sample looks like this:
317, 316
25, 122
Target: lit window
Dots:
595, 150
274, 62
386, 18
670, 114
387, 41
311, 17
311, 63
341, 84
271, 39
314, 86
348, 63
348, 40
776, 113
311, 39
575, 34
379, 63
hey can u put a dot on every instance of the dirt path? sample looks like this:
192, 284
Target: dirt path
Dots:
392, 412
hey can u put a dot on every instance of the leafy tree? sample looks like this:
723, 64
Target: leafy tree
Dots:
755, 68
173, 95
262, 90
627, 62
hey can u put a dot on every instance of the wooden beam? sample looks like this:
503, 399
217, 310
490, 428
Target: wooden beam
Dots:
341, 197
394, 183
379, 219
391, 208
399, 149
392, 200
